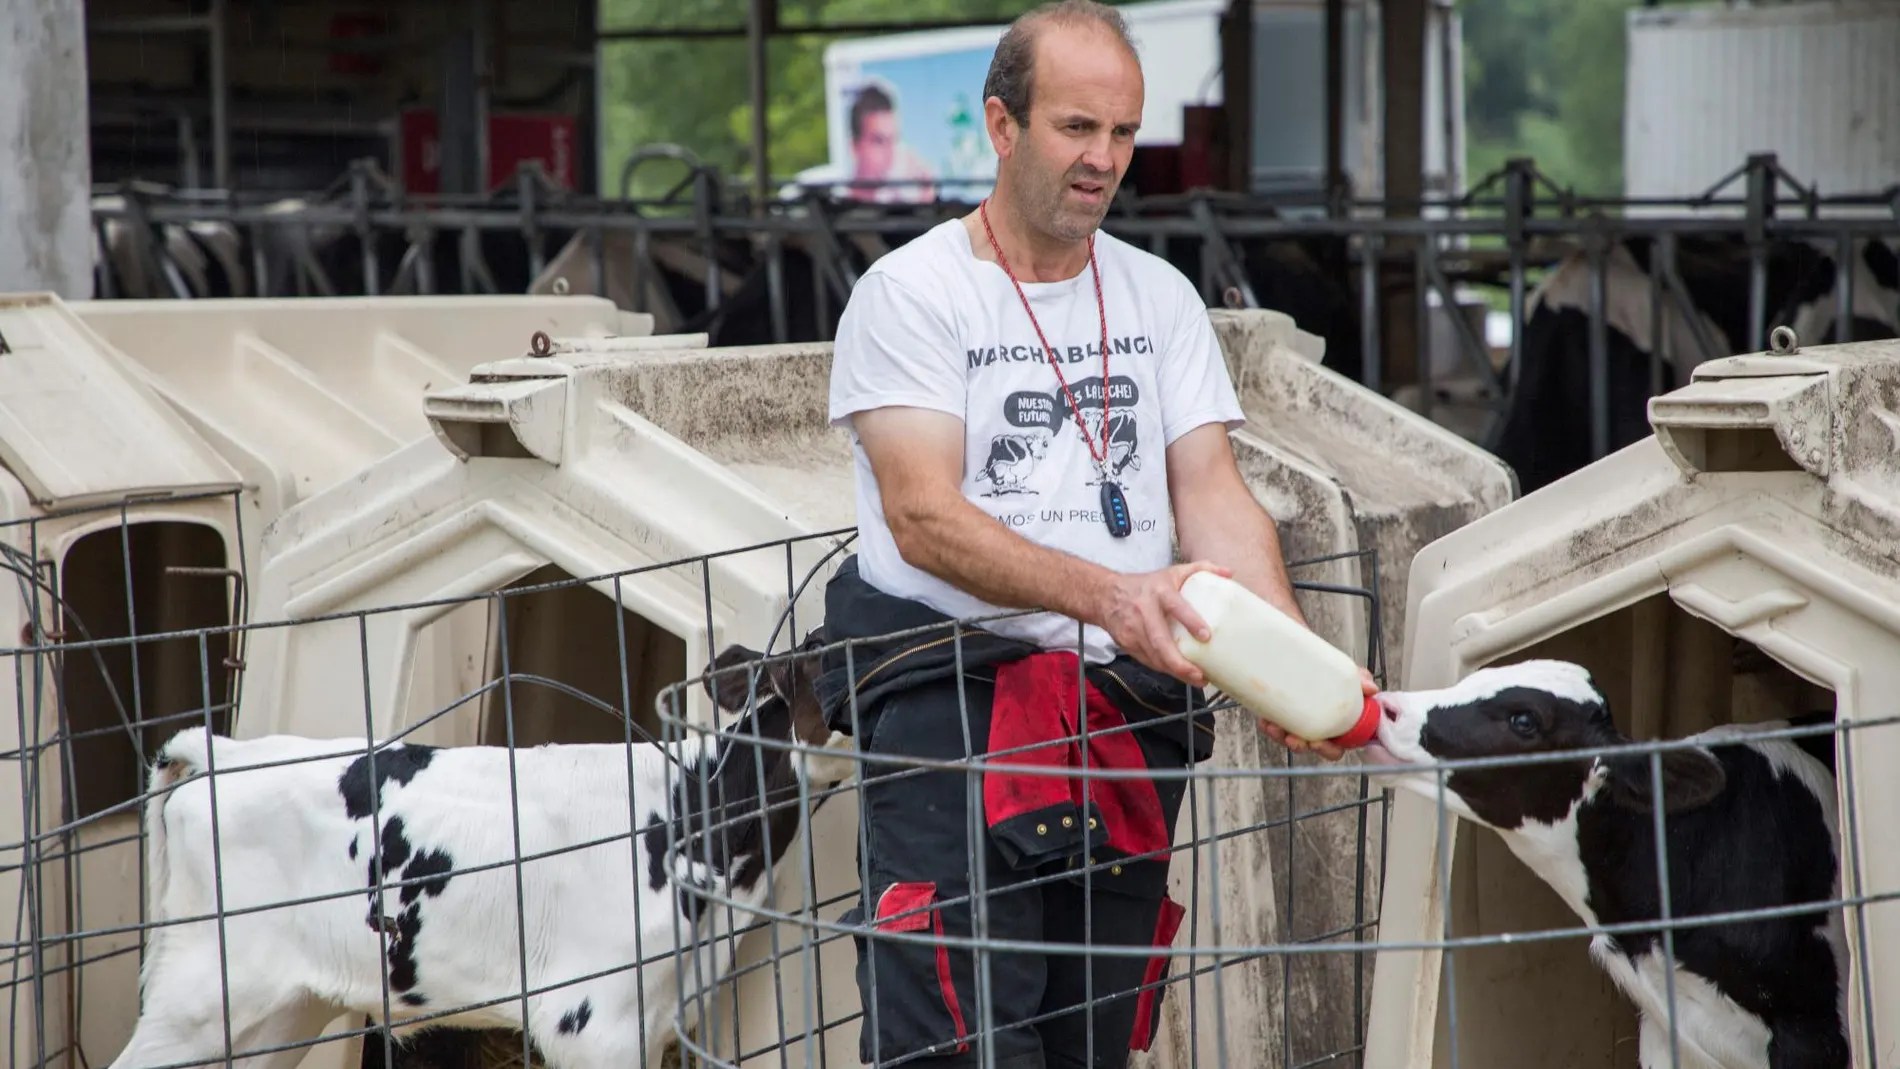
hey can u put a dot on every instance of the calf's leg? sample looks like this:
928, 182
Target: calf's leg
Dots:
1808, 1043
1653, 1047
182, 1017
591, 1039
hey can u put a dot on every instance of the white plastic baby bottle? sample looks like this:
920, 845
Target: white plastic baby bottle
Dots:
1278, 670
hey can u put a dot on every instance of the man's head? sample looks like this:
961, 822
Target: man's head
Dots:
873, 133
1062, 103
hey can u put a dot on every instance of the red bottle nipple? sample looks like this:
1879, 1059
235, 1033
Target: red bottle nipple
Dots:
1365, 730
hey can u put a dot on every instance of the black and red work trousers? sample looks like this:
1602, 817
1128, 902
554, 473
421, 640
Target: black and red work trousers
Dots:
930, 1004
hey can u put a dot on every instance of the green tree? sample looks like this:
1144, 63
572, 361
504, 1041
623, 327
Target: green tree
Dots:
1544, 78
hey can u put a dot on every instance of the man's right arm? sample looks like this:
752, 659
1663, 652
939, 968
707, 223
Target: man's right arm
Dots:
917, 456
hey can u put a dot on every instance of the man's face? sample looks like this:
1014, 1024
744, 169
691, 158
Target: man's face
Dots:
1065, 166
876, 146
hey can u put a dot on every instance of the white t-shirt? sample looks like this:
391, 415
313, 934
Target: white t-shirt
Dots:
931, 326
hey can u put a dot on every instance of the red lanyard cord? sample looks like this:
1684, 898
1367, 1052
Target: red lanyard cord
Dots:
1101, 460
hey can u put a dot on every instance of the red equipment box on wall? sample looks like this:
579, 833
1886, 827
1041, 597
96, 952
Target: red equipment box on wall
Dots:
513, 138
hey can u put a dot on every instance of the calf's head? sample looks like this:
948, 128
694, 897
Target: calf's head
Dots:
1529, 708
777, 699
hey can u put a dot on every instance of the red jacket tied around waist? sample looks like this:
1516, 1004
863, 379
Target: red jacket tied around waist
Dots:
1037, 816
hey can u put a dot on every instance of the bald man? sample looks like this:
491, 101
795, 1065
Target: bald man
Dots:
1035, 408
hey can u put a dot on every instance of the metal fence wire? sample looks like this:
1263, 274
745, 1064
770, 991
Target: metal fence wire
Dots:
1280, 968
692, 893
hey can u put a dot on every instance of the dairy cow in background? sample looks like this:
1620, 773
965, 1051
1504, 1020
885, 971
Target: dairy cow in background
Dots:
1546, 431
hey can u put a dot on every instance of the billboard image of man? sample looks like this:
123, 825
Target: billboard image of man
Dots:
879, 155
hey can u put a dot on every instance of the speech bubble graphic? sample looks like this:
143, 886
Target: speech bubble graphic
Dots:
1030, 410
1122, 393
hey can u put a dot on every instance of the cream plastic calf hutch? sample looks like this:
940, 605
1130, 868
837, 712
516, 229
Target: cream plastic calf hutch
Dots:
1764, 512
141, 437
106, 493
299, 394
539, 469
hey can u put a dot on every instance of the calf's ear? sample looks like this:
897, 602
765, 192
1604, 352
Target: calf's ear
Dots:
1691, 779
729, 683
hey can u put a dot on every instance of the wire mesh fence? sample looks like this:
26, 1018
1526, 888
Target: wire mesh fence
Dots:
991, 925
1718, 882
780, 834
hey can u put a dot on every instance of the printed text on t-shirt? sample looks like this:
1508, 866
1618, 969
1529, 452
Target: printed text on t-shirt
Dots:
1074, 354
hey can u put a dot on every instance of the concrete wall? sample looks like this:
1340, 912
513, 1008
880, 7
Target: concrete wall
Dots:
45, 168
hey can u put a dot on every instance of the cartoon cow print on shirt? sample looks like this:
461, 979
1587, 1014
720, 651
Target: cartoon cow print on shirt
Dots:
1012, 458
1123, 441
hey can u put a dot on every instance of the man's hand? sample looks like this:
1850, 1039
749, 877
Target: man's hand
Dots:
1135, 611
1367, 686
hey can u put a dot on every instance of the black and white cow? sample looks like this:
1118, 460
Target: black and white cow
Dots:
626, 883
1750, 824
1546, 431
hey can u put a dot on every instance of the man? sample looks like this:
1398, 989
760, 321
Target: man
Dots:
989, 478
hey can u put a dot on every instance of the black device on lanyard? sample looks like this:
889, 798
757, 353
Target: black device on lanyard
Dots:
1115, 510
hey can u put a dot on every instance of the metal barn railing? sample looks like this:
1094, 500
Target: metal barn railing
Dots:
1501, 233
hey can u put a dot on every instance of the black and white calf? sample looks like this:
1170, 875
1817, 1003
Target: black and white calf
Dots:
1750, 825
450, 938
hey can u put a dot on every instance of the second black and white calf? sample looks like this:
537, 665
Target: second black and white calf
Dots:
618, 873
1750, 825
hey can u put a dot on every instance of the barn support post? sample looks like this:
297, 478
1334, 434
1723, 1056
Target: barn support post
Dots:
1236, 74
1594, 242
1402, 90
525, 175
45, 213
1844, 288
1338, 192
1520, 191
462, 104
1761, 207
220, 97
1659, 351
1420, 292
761, 15
359, 203
1371, 369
